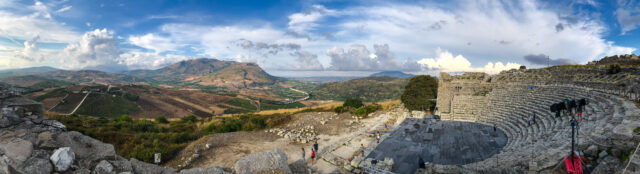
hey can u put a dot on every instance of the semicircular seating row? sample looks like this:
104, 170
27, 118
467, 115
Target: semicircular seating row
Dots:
547, 141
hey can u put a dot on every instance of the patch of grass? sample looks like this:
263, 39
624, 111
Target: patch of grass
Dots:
106, 106
636, 130
270, 104
242, 103
50, 93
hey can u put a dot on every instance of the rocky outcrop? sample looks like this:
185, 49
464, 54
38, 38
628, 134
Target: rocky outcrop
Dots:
31, 144
266, 161
63, 158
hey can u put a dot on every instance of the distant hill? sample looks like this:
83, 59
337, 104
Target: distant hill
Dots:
209, 72
397, 74
366, 89
26, 71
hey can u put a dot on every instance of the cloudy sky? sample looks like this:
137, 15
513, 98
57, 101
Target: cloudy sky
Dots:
316, 38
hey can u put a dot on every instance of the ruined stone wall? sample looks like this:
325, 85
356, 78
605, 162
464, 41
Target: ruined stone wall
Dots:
457, 93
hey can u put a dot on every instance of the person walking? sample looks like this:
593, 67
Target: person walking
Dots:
303, 154
378, 137
529, 121
534, 118
313, 156
362, 149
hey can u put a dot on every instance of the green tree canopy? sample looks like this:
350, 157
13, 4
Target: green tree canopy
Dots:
353, 103
162, 119
418, 91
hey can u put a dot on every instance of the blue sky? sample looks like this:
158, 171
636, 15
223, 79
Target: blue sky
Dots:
289, 38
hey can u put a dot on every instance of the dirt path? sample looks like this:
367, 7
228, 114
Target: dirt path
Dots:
80, 104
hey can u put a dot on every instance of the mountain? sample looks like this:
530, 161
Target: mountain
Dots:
26, 71
367, 89
397, 74
209, 72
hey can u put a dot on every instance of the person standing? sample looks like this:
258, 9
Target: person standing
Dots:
362, 149
378, 137
529, 121
315, 146
534, 118
303, 154
494, 130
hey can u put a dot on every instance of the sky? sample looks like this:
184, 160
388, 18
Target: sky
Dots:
316, 37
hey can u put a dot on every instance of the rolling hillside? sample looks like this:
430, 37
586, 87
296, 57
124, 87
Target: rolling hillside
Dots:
366, 89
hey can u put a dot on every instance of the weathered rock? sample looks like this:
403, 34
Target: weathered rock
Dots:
4, 165
82, 171
146, 168
121, 165
607, 164
55, 124
208, 170
591, 150
104, 167
45, 136
263, 161
62, 158
86, 149
16, 149
602, 154
37, 166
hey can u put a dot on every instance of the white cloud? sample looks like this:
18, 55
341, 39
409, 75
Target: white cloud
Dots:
153, 42
63, 9
96, 48
30, 51
446, 62
304, 21
481, 30
628, 15
146, 60
37, 22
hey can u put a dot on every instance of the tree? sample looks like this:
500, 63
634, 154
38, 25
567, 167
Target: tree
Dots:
190, 118
613, 69
362, 111
162, 119
523, 67
353, 103
418, 91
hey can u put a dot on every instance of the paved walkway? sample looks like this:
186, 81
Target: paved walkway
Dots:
439, 142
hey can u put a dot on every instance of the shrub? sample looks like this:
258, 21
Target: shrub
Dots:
613, 69
161, 119
418, 91
353, 103
124, 118
190, 118
131, 97
362, 111
338, 109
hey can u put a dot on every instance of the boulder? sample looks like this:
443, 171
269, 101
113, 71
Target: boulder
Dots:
272, 160
146, 168
62, 158
4, 165
86, 149
16, 149
37, 166
104, 167
592, 150
608, 164
208, 170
